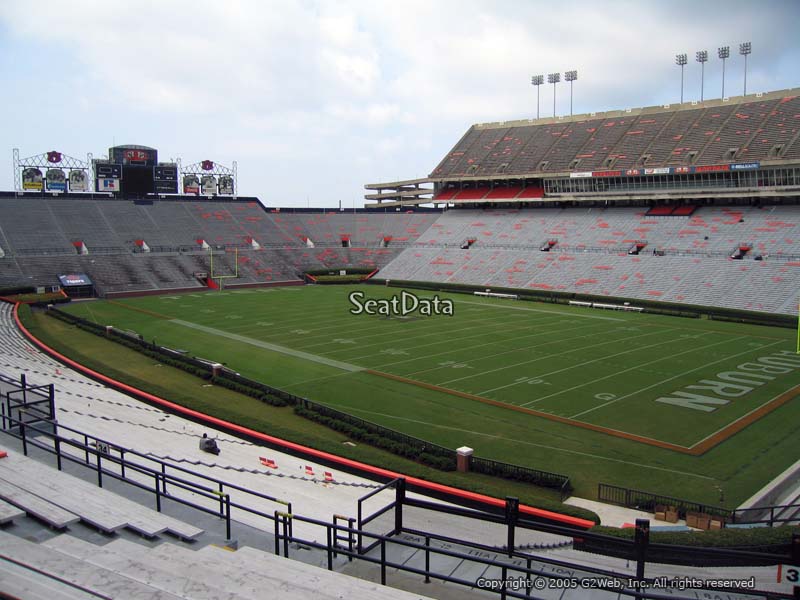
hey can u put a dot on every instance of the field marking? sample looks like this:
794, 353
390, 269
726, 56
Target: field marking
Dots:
736, 426
426, 321
583, 364
549, 356
644, 389
519, 337
540, 310
633, 368
152, 313
450, 341
551, 417
516, 441
266, 345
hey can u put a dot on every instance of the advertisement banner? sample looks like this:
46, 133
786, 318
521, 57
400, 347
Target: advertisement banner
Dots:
209, 185
56, 180
580, 174
78, 181
712, 168
32, 179
226, 185
658, 171
191, 184
73, 279
108, 185
751, 166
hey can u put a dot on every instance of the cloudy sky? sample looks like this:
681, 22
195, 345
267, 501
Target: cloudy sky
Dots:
316, 98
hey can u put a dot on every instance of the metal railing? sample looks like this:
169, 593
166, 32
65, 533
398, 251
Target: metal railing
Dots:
537, 573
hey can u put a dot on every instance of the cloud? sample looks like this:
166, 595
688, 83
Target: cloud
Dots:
317, 98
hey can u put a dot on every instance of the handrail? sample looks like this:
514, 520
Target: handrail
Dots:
623, 583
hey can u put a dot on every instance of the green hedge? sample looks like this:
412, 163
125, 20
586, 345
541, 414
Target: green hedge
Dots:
749, 538
335, 271
185, 364
373, 436
339, 278
651, 306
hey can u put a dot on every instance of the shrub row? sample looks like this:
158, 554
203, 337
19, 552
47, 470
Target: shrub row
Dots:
349, 278
650, 306
189, 365
374, 437
12, 291
753, 538
334, 271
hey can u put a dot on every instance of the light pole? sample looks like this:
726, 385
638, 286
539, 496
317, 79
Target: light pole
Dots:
680, 60
745, 48
537, 80
723, 53
570, 76
554, 78
702, 56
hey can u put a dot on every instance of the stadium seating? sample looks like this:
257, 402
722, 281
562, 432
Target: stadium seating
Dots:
588, 253
650, 137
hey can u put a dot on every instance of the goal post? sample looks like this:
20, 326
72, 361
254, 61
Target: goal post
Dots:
220, 279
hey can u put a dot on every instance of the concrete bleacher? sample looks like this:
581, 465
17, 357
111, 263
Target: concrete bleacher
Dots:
24, 480
124, 569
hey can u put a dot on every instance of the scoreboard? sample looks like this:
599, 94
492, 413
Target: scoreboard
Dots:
165, 180
141, 156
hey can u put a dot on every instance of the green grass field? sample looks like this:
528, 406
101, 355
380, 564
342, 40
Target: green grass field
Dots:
565, 389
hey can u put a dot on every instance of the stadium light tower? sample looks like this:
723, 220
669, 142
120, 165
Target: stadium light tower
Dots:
724, 53
702, 56
537, 80
745, 48
680, 60
554, 78
570, 76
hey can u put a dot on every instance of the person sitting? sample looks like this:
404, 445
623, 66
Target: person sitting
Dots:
208, 444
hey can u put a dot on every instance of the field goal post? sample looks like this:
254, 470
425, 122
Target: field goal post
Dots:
220, 279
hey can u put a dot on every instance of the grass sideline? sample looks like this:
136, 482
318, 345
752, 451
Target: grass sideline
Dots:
188, 390
608, 365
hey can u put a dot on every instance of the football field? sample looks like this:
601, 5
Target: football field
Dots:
673, 405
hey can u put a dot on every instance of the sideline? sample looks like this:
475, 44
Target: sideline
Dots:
267, 346
420, 484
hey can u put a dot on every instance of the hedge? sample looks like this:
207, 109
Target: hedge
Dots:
649, 306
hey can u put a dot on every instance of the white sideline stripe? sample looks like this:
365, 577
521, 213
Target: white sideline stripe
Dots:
550, 312
644, 389
267, 346
553, 448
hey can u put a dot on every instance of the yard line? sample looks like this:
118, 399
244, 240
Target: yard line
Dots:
427, 356
552, 312
451, 341
644, 389
525, 362
527, 443
382, 330
437, 342
529, 335
584, 363
633, 368
274, 347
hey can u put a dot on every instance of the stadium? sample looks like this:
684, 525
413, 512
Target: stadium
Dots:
564, 364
